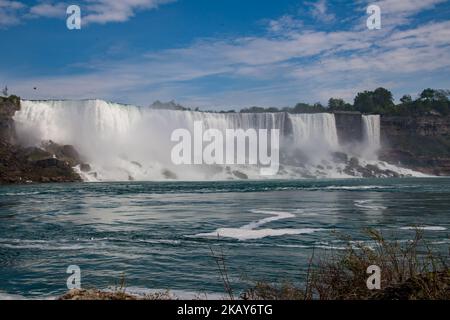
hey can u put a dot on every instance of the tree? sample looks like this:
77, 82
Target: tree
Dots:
383, 99
337, 104
379, 101
307, 108
406, 99
427, 94
5, 91
364, 102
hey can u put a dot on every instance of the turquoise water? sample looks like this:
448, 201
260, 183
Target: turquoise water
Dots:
158, 235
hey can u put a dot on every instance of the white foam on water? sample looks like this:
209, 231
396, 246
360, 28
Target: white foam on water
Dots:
354, 187
429, 228
21, 193
249, 234
249, 231
368, 205
9, 296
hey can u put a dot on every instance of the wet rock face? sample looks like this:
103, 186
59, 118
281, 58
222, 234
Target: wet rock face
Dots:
349, 126
354, 168
8, 107
84, 167
420, 143
18, 165
66, 153
240, 175
169, 174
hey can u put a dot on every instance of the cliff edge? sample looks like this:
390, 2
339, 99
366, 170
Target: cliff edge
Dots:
421, 143
52, 163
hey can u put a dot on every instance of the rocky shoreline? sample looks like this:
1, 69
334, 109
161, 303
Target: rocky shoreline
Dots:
20, 165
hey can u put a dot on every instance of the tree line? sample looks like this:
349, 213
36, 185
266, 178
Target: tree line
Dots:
379, 101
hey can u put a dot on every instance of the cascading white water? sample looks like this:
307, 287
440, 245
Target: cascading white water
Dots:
125, 142
372, 132
317, 128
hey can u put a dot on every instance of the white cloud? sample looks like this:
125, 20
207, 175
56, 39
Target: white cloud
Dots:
48, 10
284, 66
286, 23
10, 13
399, 12
407, 7
104, 11
93, 11
320, 11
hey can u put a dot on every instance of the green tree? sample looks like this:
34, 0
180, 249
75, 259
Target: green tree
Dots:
364, 102
384, 100
337, 104
427, 94
307, 108
379, 101
406, 99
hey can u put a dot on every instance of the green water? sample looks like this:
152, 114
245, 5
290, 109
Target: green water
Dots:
159, 235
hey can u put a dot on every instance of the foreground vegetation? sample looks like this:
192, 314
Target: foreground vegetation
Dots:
409, 271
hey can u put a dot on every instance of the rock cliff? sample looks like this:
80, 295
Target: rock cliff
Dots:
50, 163
420, 143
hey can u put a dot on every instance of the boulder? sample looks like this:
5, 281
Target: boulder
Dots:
85, 167
169, 174
66, 153
240, 175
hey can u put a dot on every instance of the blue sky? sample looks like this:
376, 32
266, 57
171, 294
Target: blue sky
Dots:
222, 54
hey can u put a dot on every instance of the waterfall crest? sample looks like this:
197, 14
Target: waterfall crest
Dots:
315, 127
371, 132
125, 142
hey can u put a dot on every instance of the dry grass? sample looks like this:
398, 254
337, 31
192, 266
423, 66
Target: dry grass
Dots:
409, 270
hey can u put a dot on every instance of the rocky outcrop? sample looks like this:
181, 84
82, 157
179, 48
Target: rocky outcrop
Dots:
51, 163
348, 126
66, 153
420, 143
8, 107
27, 165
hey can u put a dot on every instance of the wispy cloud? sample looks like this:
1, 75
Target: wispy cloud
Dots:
105, 11
93, 11
320, 11
10, 13
286, 64
48, 10
396, 13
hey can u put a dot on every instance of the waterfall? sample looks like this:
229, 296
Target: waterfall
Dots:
316, 128
371, 132
125, 142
